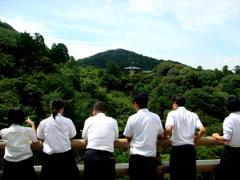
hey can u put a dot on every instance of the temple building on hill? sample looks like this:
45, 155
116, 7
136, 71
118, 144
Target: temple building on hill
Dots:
131, 70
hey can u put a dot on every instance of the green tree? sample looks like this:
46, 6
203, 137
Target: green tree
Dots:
59, 53
188, 78
208, 100
231, 84
7, 65
113, 69
237, 69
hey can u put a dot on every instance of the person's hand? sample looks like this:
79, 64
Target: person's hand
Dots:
28, 121
216, 135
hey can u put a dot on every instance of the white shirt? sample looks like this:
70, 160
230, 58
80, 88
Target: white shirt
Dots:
100, 132
17, 140
143, 127
184, 125
56, 134
231, 129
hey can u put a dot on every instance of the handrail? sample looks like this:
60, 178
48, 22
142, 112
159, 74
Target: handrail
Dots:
123, 143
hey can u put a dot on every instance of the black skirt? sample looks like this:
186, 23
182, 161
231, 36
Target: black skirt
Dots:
229, 166
19, 170
59, 166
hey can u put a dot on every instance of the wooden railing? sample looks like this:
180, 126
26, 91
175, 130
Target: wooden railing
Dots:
122, 169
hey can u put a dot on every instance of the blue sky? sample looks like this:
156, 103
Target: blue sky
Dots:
196, 33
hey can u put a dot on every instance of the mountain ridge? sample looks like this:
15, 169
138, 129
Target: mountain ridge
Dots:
124, 58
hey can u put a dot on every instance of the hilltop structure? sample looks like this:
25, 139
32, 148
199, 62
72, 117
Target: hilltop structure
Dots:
131, 70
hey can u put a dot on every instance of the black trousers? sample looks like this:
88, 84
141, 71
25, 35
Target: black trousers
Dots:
59, 166
99, 165
229, 167
183, 162
142, 168
19, 170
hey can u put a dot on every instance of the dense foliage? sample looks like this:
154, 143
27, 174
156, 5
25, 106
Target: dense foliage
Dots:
31, 75
123, 58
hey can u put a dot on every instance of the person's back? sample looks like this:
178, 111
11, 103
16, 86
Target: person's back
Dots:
145, 126
142, 129
182, 124
56, 134
100, 132
18, 153
185, 124
229, 164
234, 120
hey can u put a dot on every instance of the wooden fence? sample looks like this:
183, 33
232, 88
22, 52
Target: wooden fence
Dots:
122, 168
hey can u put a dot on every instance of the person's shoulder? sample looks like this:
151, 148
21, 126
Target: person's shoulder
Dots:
66, 119
172, 112
133, 116
111, 119
154, 114
44, 121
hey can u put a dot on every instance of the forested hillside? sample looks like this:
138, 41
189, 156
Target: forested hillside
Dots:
31, 74
123, 58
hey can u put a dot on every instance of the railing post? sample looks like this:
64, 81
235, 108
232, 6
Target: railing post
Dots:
159, 161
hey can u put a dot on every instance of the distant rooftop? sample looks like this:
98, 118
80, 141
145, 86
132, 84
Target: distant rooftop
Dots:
131, 67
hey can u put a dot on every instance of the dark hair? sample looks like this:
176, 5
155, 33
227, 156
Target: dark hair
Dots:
100, 106
16, 116
141, 99
56, 105
232, 104
179, 99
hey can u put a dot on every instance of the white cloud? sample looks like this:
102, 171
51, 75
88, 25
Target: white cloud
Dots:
21, 26
192, 32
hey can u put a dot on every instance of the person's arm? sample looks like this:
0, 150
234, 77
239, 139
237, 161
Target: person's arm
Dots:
217, 136
129, 138
28, 121
200, 134
168, 131
33, 134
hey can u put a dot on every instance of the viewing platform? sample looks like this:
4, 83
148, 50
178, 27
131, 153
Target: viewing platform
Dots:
122, 168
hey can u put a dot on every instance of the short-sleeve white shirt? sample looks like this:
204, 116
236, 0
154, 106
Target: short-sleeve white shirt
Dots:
17, 140
143, 127
184, 125
231, 129
56, 134
100, 132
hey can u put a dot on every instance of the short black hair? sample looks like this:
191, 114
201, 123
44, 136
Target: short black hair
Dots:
56, 105
141, 98
179, 99
16, 116
100, 106
232, 104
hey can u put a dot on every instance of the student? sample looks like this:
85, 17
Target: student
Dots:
100, 132
56, 133
229, 165
182, 123
142, 129
18, 154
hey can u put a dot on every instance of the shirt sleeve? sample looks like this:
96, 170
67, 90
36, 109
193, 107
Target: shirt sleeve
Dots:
32, 135
129, 128
170, 119
227, 129
40, 132
84, 132
161, 130
116, 131
198, 121
73, 131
